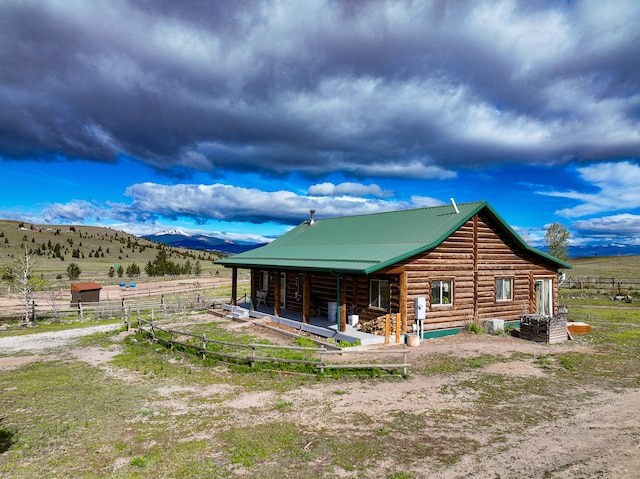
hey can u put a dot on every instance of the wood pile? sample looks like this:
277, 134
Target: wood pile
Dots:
543, 329
378, 325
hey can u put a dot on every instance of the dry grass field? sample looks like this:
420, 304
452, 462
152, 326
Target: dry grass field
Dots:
111, 404
93, 249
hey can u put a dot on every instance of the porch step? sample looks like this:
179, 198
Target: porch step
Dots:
235, 312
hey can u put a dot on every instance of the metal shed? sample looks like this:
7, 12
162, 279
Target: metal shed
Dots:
85, 293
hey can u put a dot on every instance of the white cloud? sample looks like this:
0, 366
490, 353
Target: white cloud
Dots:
618, 189
625, 224
230, 203
77, 211
348, 188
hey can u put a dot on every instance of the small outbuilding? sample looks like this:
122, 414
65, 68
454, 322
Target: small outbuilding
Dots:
85, 292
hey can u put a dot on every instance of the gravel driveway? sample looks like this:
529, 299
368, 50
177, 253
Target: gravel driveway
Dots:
42, 341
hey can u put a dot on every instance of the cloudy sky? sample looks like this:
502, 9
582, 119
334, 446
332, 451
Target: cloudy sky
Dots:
236, 118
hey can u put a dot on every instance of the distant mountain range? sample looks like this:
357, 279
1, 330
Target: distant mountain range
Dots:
178, 238
203, 242
598, 250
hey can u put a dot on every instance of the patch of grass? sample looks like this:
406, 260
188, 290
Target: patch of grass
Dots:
138, 461
544, 361
401, 475
254, 444
475, 328
451, 363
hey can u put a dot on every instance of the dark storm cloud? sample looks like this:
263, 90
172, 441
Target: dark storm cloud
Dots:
350, 86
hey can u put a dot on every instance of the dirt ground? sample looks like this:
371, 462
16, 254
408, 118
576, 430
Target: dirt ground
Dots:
599, 439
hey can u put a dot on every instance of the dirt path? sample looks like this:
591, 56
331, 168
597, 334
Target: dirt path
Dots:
601, 440
39, 342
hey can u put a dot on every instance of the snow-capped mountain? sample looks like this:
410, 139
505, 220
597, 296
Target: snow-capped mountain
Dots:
179, 238
175, 232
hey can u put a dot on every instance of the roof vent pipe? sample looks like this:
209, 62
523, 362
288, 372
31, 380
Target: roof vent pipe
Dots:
312, 219
455, 207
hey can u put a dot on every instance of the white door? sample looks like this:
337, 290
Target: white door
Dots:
544, 297
283, 290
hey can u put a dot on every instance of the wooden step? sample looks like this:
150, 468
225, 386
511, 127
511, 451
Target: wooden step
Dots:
576, 327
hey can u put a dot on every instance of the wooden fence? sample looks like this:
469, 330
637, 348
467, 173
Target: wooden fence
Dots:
107, 309
251, 353
619, 286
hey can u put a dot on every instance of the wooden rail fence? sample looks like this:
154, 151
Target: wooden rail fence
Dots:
39, 310
253, 355
617, 285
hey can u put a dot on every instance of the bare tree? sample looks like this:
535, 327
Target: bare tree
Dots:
19, 274
53, 296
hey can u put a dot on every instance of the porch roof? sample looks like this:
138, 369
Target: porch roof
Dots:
367, 243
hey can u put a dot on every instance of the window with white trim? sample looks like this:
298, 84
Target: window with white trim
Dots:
504, 289
379, 294
442, 292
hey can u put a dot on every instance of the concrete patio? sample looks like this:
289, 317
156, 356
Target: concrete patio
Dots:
318, 325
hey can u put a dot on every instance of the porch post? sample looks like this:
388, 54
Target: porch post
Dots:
343, 304
254, 288
403, 303
234, 286
306, 298
276, 294
532, 293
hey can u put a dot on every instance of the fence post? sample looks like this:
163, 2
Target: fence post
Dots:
153, 331
322, 350
253, 356
398, 323
404, 360
81, 309
204, 346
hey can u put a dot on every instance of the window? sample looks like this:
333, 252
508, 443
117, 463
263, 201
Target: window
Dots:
504, 289
544, 297
299, 286
442, 292
379, 293
263, 280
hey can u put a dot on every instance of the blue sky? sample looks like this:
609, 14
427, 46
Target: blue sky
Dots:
237, 118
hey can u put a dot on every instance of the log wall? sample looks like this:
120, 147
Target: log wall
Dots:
473, 257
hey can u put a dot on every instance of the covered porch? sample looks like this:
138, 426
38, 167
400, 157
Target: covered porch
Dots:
318, 325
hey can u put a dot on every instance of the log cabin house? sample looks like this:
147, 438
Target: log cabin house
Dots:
441, 266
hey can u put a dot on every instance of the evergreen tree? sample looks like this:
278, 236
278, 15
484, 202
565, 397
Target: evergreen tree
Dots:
133, 270
73, 271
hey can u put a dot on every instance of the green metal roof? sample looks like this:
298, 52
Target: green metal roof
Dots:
368, 243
